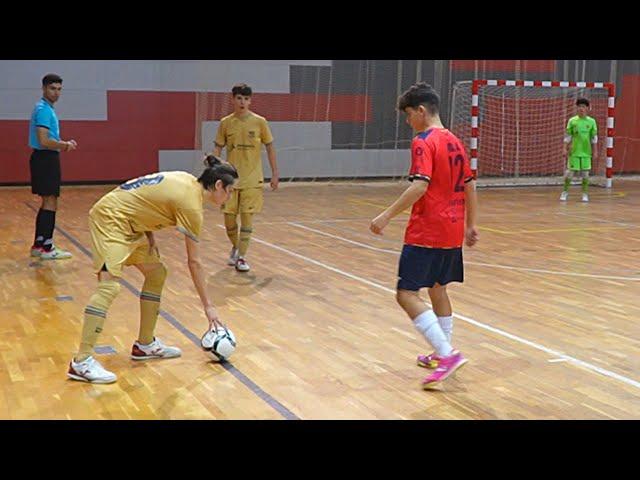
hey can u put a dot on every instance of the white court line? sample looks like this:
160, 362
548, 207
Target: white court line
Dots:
553, 272
384, 250
493, 265
553, 353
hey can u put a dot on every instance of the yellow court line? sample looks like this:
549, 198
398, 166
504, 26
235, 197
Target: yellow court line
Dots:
363, 202
550, 230
592, 194
617, 194
357, 201
507, 232
495, 230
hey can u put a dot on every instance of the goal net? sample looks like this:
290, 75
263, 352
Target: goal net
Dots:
514, 129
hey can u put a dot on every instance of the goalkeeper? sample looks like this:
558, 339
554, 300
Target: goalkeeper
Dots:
582, 134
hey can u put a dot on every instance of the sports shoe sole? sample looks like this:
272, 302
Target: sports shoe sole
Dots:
82, 379
151, 357
65, 257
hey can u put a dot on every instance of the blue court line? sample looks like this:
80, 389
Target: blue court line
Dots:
104, 350
250, 384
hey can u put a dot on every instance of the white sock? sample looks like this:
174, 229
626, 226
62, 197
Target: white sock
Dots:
427, 324
446, 323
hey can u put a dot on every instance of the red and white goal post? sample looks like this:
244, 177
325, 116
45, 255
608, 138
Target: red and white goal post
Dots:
515, 129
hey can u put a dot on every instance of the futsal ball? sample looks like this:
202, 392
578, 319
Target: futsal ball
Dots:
221, 343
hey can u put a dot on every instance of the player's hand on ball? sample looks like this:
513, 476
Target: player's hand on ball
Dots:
212, 316
472, 236
378, 224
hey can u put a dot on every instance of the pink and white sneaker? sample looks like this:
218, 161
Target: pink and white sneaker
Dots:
446, 367
155, 349
429, 361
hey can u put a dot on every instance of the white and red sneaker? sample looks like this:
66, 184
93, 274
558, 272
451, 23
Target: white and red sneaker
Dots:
242, 265
233, 257
155, 349
90, 370
54, 254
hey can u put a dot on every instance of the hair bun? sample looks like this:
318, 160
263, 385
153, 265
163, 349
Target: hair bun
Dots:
212, 160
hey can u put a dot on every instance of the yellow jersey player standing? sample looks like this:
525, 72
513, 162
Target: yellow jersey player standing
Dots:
242, 133
121, 225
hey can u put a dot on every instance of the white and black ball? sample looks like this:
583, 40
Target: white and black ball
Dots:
221, 342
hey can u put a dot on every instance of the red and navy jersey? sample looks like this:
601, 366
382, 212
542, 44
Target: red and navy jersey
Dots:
437, 218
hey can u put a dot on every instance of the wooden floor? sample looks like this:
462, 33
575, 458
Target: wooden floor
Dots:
548, 315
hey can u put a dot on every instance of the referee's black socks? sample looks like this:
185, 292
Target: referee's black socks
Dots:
45, 223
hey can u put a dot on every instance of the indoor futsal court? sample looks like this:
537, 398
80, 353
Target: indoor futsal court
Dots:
547, 315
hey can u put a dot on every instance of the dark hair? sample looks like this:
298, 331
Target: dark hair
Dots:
216, 170
50, 78
420, 94
582, 101
241, 89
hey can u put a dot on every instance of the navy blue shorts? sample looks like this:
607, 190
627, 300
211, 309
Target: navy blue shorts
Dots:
422, 267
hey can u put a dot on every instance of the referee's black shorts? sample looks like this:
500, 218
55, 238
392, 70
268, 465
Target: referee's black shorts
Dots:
45, 172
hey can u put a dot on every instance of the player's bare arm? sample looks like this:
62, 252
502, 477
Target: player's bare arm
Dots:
410, 196
197, 275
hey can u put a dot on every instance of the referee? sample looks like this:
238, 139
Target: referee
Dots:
44, 138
